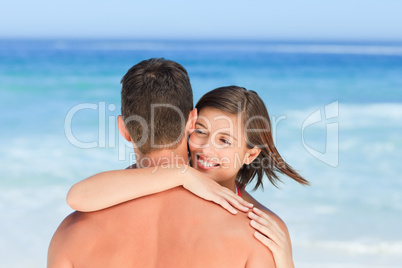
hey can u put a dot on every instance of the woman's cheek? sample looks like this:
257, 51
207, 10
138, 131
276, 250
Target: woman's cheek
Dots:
194, 142
191, 145
235, 160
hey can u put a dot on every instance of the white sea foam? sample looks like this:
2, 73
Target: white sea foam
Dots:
342, 264
30, 217
352, 116
356, 247
368, 132
336, 49
130, 45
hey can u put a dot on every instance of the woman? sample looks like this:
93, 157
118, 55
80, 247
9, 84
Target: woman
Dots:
230, 146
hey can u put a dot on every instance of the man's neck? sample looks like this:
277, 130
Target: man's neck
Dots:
162, 158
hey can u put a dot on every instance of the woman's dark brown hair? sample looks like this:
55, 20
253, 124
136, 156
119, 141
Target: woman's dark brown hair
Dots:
257, 130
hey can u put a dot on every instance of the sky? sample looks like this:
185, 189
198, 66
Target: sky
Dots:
208, 19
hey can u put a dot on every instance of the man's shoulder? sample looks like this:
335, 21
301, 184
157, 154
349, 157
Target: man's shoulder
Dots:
62, 242
70, 225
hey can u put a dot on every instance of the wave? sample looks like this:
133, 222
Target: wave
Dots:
337, 49
354, 49
352, 264
349, 116
356, 247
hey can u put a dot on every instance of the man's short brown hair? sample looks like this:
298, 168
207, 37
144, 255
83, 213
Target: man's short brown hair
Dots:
156, 99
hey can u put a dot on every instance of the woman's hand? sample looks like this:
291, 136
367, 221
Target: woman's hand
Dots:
210, 190
272, 236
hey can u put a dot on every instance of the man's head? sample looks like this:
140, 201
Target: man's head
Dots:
156, 100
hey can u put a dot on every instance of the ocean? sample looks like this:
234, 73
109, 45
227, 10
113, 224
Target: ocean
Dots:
336, 109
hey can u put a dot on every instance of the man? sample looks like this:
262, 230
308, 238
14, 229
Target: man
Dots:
173, 228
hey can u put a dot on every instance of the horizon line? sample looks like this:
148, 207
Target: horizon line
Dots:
200, 39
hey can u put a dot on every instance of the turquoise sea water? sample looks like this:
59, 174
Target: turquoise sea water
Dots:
337, 115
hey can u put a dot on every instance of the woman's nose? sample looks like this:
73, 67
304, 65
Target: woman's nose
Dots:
208, 148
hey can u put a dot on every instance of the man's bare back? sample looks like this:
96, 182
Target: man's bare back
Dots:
173, 228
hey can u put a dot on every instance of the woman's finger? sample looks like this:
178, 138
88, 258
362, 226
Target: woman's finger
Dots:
261, 220
272, 236
234, 201
223, 203
265, 216
265, 231
268, 229
266, 241
265, 219
282, 255
238, 198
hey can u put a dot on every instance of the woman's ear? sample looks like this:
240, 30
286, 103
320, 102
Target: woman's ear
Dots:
192, 118
251, 155
122, 128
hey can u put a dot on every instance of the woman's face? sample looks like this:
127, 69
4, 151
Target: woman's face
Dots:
218, 147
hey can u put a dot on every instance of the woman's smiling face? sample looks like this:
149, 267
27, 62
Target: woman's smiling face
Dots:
217, 146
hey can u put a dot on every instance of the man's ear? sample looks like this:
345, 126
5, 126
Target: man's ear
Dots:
251, 154
192, 118
122, 128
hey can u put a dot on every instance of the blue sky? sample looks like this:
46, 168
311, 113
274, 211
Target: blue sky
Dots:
208, 19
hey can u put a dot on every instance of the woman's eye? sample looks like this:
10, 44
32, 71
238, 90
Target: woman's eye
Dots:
226, 141
198, 131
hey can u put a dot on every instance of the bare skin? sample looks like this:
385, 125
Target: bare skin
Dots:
271, 230
113, 187
148, 231
173, 228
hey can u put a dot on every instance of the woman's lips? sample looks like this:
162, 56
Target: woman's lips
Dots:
205, 163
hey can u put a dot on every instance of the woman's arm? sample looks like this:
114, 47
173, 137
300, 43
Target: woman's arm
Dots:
110, 188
